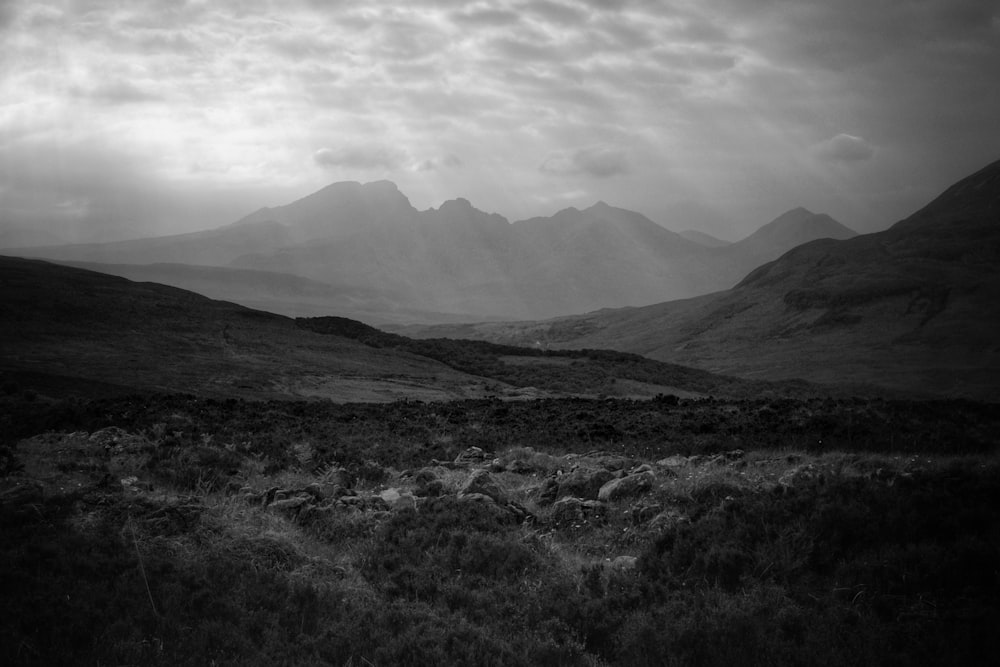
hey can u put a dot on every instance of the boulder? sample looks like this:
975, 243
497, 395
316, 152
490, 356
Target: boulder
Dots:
482, 482
626, 487
675, 461
582, 483
397, 500
473, 456
567, 511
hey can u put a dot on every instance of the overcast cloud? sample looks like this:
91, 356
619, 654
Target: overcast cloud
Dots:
123, 119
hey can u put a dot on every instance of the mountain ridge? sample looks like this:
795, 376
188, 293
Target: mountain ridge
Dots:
915, 307
455, 260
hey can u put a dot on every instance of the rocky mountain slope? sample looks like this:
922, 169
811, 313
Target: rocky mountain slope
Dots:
916, 306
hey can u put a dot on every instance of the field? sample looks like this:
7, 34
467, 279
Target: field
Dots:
174, 530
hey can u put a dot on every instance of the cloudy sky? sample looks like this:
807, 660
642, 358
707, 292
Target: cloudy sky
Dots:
131, 118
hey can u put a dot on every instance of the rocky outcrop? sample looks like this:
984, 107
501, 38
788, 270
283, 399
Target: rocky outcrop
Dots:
482, 482
627, 487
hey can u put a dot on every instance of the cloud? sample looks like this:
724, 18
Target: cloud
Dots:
596, 161
358, 156
844, 148
447, 162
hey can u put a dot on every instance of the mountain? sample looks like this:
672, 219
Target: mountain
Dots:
704, 239
78, 327
366, 252
915, 307
788, 230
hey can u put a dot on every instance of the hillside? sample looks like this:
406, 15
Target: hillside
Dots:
915, 307
386, 262
76, 327
70, 330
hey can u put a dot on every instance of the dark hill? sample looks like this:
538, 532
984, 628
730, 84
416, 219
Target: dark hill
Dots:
85, 326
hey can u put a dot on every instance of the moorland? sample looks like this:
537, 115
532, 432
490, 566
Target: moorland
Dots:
186, 481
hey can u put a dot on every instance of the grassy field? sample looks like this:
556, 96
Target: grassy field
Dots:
172, 530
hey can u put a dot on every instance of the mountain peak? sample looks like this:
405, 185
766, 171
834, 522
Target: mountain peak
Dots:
457, 204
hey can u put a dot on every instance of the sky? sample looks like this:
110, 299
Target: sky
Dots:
126, 119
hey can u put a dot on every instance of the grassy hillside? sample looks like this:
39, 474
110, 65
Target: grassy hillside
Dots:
63, 322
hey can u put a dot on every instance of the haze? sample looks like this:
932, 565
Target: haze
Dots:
125, 120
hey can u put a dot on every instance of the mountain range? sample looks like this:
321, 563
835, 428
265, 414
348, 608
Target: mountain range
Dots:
914, 307
362, 250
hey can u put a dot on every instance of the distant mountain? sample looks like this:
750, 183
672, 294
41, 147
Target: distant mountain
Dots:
788, 230
385, 261
704, 239
915, 307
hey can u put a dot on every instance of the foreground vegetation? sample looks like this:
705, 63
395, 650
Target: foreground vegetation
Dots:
170, 530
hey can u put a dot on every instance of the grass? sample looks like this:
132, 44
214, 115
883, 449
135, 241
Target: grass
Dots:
781, 556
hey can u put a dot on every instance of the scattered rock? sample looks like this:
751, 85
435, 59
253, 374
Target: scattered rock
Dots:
482, 482
799, 476
612, 462
567, 511
582, 483
477, 498
675, 461
397, 500
473, 456
626, 487
289, 506
644, 513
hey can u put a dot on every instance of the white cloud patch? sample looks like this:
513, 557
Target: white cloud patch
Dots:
844, 148
359, 156
596, 161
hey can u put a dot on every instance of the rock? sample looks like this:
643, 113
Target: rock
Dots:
548, 492
477, 498
289, 506
582, 483
611, 462
482, 482
567, 511
626, 487
644, 513
397, 500
803, 475
645, 467
473, 456
675, 461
